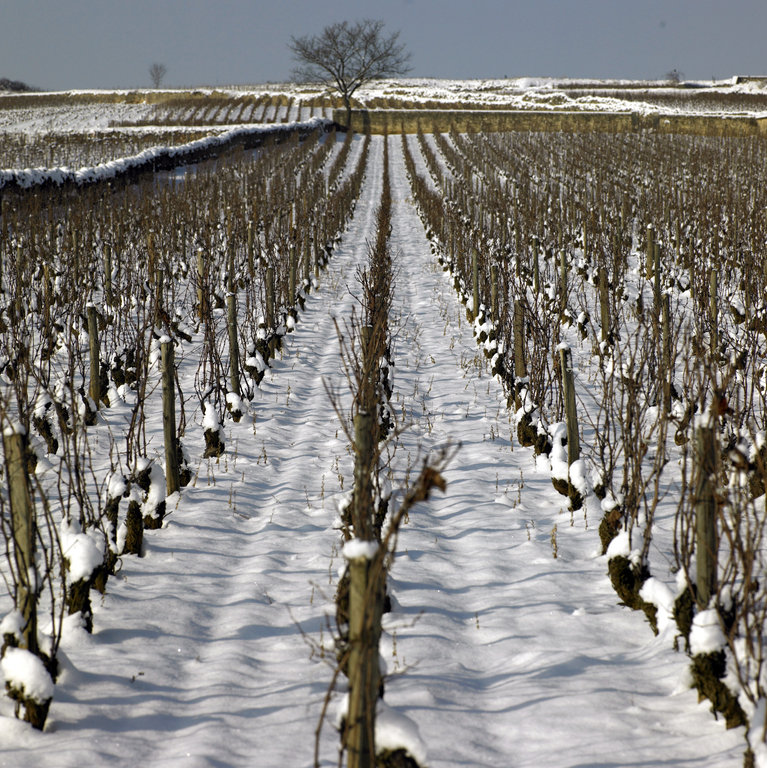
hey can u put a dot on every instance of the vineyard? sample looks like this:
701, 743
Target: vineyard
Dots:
443, 447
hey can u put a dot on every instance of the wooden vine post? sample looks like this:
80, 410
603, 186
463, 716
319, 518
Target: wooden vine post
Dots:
475, 283
108, 274
24, 531
494, 292
231, 324
364, 606
536, 268
666, 361
172, 475
656, 275
520, 366
201, 283
562, 281
571, 414
94, 385
292, 277
251, 251
650, 252
270, 310
713, 308
604, 303
705, 515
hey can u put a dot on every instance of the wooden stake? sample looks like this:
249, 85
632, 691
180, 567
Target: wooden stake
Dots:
172, 479
94, 386
604, 303
706, 545
231, 324
571, 414
713, 307
520, 367
24, 533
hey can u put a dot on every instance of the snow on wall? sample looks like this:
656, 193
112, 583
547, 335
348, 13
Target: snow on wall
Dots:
164, 156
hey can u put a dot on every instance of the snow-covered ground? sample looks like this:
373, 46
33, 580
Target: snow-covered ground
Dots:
127, 108
506, 644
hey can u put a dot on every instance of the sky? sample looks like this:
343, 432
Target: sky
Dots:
67, 44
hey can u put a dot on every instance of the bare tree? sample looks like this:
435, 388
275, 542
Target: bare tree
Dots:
345, 56
157, 72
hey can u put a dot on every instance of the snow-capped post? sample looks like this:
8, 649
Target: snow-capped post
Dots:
365, 607
365, 610
713, 308
604, 303
705, 515
94, 386
231, 324
24, 531
172, 479
475, 283
568, 395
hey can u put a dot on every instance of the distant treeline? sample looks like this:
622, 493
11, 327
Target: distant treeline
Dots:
14, 85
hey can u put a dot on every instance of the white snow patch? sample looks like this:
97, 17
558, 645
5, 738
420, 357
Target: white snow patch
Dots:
26, 672
83, 551
357, 549
706, 635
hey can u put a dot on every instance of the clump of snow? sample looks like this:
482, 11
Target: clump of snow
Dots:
156, 493
578, 477
27, 674
81, 550
12, 624
706, 635
558, 455
117, 486
210, 418
395, 731
656, 592
358, 549
234, 402
620, 546
256, 361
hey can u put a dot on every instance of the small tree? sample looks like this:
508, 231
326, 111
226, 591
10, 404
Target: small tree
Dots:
157, 72
344, 56
675, 77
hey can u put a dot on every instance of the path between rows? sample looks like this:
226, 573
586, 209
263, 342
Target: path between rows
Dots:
206, 651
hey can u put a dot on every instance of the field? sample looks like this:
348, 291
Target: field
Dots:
277, 397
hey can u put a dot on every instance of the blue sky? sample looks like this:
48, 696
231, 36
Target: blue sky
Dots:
60, 44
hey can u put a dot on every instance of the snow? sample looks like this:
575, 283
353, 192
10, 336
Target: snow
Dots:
213, 649
395, 731
25, 672
30, 177
707, 635
83, 551
357, 549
